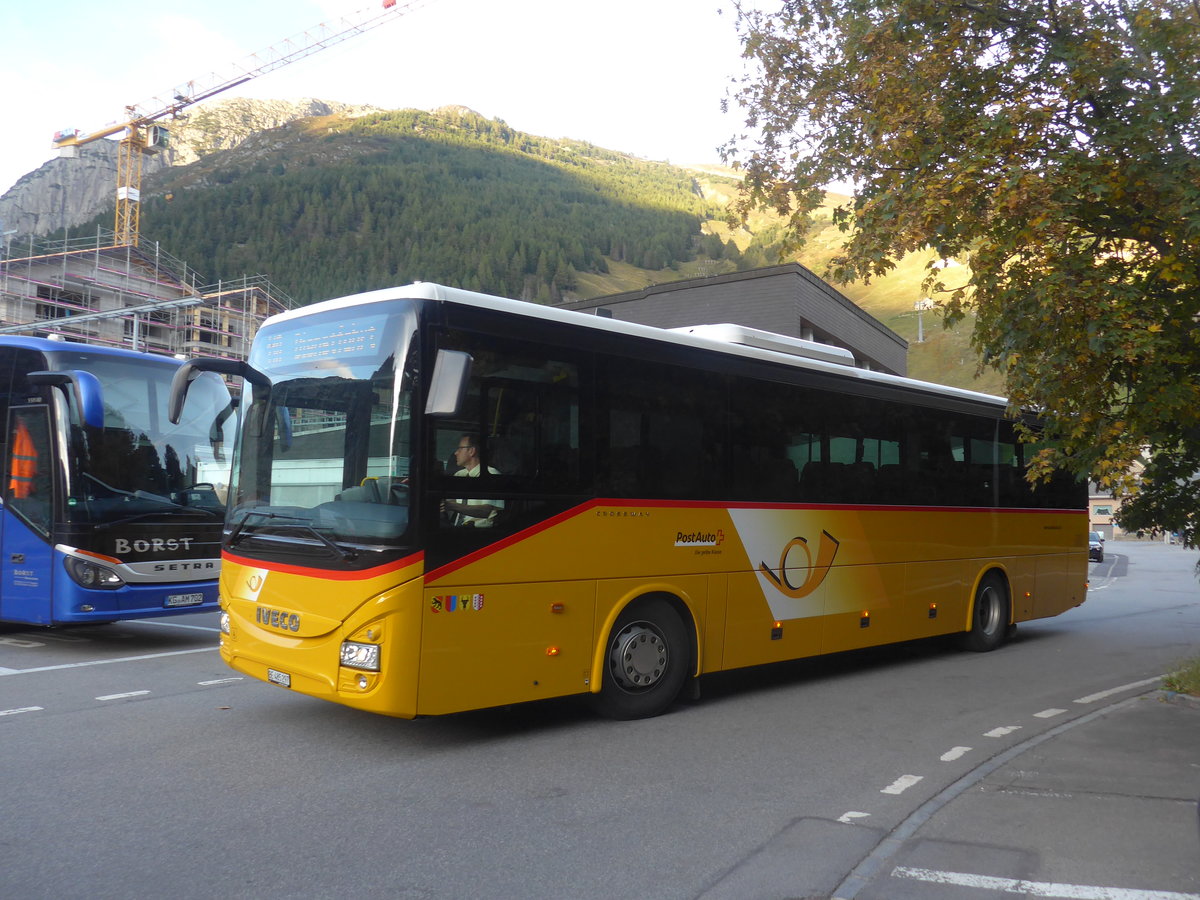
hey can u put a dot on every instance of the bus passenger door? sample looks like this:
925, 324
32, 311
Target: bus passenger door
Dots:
26, 570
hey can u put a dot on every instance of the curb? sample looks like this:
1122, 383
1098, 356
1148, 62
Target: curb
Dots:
1176, 699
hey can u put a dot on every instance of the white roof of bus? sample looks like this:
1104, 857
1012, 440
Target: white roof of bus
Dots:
423, 290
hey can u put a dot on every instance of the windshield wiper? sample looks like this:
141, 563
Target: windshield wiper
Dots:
170, 511
296, 522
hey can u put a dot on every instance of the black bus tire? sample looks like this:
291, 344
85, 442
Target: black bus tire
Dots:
645, 661
989, 615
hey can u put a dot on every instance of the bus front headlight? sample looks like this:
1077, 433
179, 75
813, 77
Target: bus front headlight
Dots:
90, 575
360, 656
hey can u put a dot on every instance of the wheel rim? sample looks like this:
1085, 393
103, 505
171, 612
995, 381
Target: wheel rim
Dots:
638, 657
988, 613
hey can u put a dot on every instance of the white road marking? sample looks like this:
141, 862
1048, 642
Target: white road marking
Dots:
849, 817
23, 709
866, 871
1092, 698
177, 625
124, 696
1048, 713
902, 784
1002, 731
1036, 888
219, 681
954, 753
105, 662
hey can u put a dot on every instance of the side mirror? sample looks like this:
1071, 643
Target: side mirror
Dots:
448, 387
83, 387
186, 374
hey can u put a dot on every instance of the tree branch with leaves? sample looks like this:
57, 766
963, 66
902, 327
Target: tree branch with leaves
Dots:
1054, 145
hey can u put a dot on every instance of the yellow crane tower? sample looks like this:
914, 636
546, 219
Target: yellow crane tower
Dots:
142, 135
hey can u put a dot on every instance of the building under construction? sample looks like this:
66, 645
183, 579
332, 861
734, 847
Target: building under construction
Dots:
99, 291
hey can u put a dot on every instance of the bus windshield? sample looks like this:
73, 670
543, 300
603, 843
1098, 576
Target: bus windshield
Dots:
138, 466
321, 470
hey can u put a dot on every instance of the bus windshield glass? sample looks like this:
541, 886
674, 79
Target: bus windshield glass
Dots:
321, 470
137, 466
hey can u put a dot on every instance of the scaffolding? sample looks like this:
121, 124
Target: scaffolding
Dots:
98, 291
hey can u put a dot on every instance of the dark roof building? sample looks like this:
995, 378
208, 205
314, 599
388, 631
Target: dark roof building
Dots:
786, 299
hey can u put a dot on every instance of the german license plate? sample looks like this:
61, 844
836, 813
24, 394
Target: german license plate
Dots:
281, 678
174, 600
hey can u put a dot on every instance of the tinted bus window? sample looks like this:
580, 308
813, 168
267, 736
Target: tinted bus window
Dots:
664, 432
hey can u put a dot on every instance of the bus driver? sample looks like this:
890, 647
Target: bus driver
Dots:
468, 512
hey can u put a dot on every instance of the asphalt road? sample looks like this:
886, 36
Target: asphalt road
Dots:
136, 765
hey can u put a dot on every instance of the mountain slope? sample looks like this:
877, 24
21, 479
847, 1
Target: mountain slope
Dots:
335, 204
67, 192
331, 205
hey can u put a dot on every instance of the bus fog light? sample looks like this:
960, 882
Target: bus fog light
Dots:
360, 656
89, 575
223, 622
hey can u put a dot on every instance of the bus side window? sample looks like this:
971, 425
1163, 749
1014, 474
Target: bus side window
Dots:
521, 415
13, 389
665, 437
28, 476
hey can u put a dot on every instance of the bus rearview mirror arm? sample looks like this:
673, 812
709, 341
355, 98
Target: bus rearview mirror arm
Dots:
82, 387
190, 370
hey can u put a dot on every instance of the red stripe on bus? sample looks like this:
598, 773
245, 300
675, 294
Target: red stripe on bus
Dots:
329, 574
512, 539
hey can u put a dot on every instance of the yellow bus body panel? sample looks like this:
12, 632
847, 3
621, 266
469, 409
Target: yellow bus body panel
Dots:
529, 616
383, 608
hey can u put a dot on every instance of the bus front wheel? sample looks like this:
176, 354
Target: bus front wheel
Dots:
645, 662
989, 615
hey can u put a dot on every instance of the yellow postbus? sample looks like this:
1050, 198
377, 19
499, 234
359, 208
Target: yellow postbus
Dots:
444, 501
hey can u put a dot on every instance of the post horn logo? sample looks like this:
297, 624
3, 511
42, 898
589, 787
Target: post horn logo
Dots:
816, 571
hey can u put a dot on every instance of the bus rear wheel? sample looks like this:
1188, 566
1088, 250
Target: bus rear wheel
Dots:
989, 615
645, 662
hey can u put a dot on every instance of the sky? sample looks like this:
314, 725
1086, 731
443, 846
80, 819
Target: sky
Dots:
644, 77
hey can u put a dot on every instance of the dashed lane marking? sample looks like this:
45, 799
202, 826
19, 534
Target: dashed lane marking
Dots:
954, 753
124, 696
1048, 713
902, 784
1002, 731
17, 712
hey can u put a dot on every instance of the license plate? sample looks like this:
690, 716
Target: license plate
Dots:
174, 600
281, 678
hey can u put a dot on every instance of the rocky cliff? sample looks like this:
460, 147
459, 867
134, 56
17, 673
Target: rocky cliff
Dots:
64, 192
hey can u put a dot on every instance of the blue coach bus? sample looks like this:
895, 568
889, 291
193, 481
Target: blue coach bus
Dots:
109, 511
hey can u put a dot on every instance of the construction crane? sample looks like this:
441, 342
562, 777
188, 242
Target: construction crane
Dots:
142, 136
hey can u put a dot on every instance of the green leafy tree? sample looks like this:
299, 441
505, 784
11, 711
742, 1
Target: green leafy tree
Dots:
1055, 146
